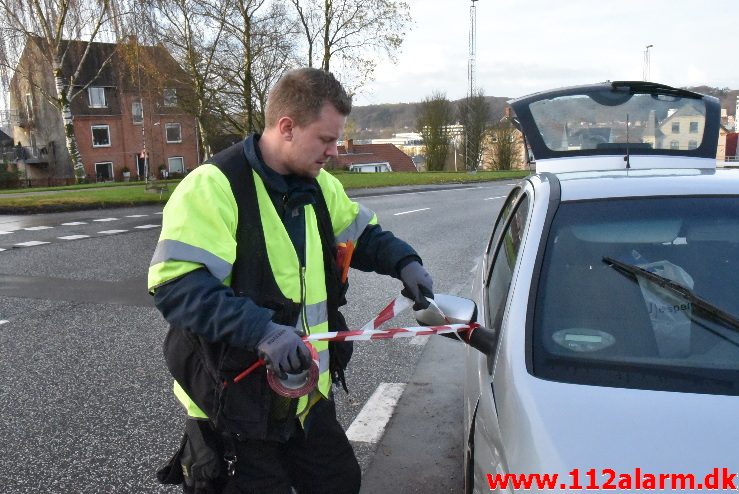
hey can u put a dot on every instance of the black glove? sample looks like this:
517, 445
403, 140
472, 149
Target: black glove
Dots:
283, 350
417, 284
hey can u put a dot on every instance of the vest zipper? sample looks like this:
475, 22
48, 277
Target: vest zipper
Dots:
303, 298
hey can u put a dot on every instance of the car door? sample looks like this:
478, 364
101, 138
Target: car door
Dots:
502, 255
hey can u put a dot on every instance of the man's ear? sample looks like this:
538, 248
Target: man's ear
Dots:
285, 126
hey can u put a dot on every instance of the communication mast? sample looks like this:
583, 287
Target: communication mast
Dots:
472, 50
647, 63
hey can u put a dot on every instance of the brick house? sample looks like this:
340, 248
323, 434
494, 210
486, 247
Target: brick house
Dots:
127, 106
372, 158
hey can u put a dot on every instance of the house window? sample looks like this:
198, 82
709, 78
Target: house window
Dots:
97, 97
674, 145
100, 136
170, 97
176, 165
174, 132
675, 127
104, 171
29, 106
693, 127
137, 112
692, 144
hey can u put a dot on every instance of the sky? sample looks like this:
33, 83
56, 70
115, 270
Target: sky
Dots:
525, 46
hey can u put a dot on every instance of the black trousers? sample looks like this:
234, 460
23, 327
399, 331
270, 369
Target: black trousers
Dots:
318, 459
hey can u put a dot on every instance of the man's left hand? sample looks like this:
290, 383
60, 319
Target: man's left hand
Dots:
418, 284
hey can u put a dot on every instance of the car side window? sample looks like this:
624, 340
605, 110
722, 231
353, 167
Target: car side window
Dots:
501, 275
500, 223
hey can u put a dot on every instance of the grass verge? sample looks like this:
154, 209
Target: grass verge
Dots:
98, 196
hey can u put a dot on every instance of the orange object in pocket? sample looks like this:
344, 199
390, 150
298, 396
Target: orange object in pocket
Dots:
344, 253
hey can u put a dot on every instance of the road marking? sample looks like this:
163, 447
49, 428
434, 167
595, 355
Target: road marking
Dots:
2, 250
496, 197
31, 243
111, 232
370, 424
147, 226
106, 219
73, 237
413, 211
3, 321
34, 228
136, 215
160, 212
74, 223
420, 340
4, 232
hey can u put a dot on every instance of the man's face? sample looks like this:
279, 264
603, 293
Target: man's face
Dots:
312, 144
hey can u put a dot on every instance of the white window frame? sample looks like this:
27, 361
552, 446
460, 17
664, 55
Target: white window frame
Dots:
92, 136
89, 97
172, 125
170, 96
141, 112
169, 164
110, 169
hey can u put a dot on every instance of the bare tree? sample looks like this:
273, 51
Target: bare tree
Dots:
260, 49
434, 116
473, 115
43, 28
192, 31
351, 30
506, 146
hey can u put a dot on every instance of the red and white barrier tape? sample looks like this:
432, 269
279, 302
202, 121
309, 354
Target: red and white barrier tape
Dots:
297, 385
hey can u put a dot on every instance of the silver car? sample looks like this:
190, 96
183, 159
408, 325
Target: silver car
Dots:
611, 281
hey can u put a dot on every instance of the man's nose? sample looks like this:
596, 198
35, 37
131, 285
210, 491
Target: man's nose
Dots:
332, 149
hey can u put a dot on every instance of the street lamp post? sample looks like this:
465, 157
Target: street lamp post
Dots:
647, 63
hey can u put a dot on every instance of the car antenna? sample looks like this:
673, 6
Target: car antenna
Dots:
626, 158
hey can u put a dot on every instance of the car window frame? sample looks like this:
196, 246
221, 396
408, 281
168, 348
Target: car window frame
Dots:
501, 221
523, 196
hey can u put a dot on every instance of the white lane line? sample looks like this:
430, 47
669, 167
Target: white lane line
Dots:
496, 197
73, 237
106, 219
3, 321
4, 232
147, 226
111, 232
31, 243
160, 212
2, 250
413, 211
370, 424
136, 215
75, 223
419, 340
35, 228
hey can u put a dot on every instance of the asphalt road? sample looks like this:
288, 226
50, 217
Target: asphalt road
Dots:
85, 405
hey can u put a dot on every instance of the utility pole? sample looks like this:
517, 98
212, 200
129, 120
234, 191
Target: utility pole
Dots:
647, 63
470, 75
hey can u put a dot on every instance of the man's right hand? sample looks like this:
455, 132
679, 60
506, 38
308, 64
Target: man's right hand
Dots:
283, 350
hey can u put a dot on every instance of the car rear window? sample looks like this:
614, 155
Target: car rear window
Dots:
595, 324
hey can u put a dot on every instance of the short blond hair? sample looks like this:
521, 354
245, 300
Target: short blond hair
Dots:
300, 94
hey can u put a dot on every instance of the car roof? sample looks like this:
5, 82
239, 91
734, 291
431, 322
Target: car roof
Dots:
588, 185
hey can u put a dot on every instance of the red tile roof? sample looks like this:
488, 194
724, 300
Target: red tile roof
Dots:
376, 153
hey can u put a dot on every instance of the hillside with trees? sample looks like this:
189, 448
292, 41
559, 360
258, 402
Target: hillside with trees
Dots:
382, 121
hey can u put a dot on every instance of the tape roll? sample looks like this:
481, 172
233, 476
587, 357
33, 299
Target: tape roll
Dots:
296, 385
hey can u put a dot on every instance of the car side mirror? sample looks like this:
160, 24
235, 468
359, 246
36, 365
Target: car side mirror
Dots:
458, 310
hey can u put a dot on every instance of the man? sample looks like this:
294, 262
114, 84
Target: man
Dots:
245, 264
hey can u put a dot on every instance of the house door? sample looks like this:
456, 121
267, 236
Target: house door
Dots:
140, 163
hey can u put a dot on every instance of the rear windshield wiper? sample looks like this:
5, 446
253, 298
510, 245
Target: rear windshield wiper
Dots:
714, 313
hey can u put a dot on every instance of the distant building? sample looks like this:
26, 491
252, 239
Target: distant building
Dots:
372, 158
123, 118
